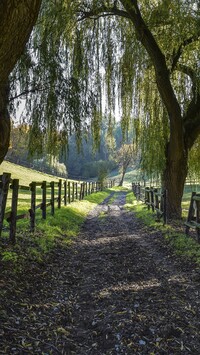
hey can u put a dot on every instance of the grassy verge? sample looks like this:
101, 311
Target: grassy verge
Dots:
182, 245
25, 175
60, 230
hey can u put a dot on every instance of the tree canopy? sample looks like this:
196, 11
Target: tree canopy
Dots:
85, 58
79, 54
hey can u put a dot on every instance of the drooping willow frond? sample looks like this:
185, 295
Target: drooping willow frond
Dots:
84, 59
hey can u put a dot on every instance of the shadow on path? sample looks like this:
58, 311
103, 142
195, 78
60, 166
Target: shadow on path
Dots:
116, 290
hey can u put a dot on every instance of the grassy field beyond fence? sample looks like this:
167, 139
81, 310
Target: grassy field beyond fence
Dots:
58, 229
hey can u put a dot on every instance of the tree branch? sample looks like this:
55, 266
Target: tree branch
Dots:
26, 92
191, 73
177, 55
192, 120
192, 125
103, 11
158, 59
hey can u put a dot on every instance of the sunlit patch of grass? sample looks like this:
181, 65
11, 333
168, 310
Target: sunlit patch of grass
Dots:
60, 229
102, 215
184, 246
9, 256
120, 188
130, 199
148, 217
112, 198
25, 175
98, 197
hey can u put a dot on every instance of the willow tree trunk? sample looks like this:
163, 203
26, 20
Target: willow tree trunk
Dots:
17, 19
4, 120
174, 177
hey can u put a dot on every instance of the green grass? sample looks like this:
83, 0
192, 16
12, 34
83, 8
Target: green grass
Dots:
65, 225
184, 246
25, 175
134, 175
60, 229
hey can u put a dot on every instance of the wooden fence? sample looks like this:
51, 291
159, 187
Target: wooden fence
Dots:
157, 201
154, 198
52, 195
193, 219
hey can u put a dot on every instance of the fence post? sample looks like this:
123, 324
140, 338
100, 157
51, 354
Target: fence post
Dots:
147, 197
65, 192
59, 192
69, 192
32, 209
198, 219
139, 191
52, 184
164, 206
152, 199
73, 191
13, 217
156, 202
44, 199
83, 191
3, 197
76, 188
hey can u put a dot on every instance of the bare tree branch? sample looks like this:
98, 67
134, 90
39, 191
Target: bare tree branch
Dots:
103, 11
185, 43
26, 92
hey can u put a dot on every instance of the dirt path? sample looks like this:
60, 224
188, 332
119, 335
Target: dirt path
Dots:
117, 290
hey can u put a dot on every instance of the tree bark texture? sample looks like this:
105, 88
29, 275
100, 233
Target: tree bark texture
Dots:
174, 177
17, 18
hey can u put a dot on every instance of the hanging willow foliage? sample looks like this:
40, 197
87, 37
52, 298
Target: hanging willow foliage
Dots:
154, 130
193, 161
84, 58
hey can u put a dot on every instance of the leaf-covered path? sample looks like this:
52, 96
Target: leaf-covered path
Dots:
117, 290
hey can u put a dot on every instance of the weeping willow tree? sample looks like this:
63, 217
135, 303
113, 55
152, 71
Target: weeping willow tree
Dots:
158, 81
84, 58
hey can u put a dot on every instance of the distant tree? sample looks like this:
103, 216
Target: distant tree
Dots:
50, 164
89, 161
18, 149
125, 157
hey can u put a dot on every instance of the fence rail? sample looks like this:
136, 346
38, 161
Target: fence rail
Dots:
52, 195
154, 198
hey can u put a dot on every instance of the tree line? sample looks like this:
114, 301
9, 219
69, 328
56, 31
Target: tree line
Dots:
85, 162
